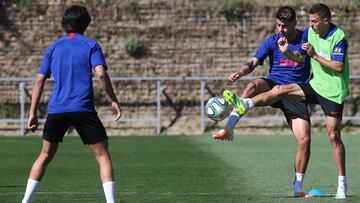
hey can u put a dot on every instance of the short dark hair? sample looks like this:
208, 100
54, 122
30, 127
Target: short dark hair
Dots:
321, 9
286, 13
76, 19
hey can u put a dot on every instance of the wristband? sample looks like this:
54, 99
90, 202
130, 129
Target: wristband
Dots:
250, 65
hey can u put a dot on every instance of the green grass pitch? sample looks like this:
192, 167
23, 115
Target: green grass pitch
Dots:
178, 169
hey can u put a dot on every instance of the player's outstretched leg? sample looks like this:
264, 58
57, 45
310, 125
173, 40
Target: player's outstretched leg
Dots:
235, 102
240, 109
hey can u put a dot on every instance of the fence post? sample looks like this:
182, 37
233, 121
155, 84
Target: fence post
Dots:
202, 103
22, 107
158, 106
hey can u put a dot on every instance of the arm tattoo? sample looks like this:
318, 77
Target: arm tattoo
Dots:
251, 66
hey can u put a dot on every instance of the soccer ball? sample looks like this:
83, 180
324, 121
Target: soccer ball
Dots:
217, 109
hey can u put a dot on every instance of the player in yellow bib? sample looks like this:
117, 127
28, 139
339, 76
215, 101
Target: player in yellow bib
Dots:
326, 45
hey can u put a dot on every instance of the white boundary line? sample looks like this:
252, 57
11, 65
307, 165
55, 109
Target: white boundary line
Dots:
125, 193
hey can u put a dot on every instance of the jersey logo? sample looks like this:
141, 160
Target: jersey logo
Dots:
71, 35
289, 62
334, 112
337, 50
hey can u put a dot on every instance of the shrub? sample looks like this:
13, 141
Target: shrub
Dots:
132, 45
132, 7
233, 8
21, 2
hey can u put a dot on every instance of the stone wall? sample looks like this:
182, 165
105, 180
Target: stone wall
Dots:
180, 38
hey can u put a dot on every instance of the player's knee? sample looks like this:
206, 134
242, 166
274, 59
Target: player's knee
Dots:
46, 155
102, 154
277, 90
304, 141
334, 136
332, 129
281, 89
104, 159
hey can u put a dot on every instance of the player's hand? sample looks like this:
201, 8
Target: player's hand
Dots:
117, 110
33, 123
235, 76
309, 49
283, 44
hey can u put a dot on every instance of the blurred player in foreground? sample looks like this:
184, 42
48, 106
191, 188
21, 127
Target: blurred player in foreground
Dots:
326, 45
71, 60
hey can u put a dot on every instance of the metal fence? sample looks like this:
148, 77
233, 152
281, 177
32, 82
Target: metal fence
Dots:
159, 92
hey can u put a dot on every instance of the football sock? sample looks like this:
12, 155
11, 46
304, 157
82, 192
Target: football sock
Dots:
299, 177
342, 184
249, 103
109, 190
30, 189
233, 119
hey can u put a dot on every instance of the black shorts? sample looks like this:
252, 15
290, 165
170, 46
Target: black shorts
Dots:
329, 107
87, 124
290, 107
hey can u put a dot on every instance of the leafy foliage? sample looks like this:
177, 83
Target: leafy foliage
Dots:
21, 2
132, 45
232, 8
132, 7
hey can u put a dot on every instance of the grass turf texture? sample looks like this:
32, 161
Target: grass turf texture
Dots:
178, 169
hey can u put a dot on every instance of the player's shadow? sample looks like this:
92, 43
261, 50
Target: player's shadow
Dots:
177, 108
324, 197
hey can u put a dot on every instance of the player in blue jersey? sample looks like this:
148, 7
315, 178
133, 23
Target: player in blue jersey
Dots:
71, 61
282, 70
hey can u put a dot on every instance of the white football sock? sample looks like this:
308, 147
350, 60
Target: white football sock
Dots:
249, 103
233, 119
342, 184
109, 191
30, 189
299, 177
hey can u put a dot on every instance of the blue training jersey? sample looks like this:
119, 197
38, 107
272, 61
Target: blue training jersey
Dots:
282, 69
70, 61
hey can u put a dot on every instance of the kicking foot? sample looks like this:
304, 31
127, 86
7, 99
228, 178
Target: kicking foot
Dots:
235, 102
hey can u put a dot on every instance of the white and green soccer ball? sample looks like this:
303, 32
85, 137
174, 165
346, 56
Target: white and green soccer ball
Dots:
217, 109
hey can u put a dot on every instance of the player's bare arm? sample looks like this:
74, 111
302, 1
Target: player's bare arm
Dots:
246, 69
284, 48
107, 86
36, 94
337, 66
